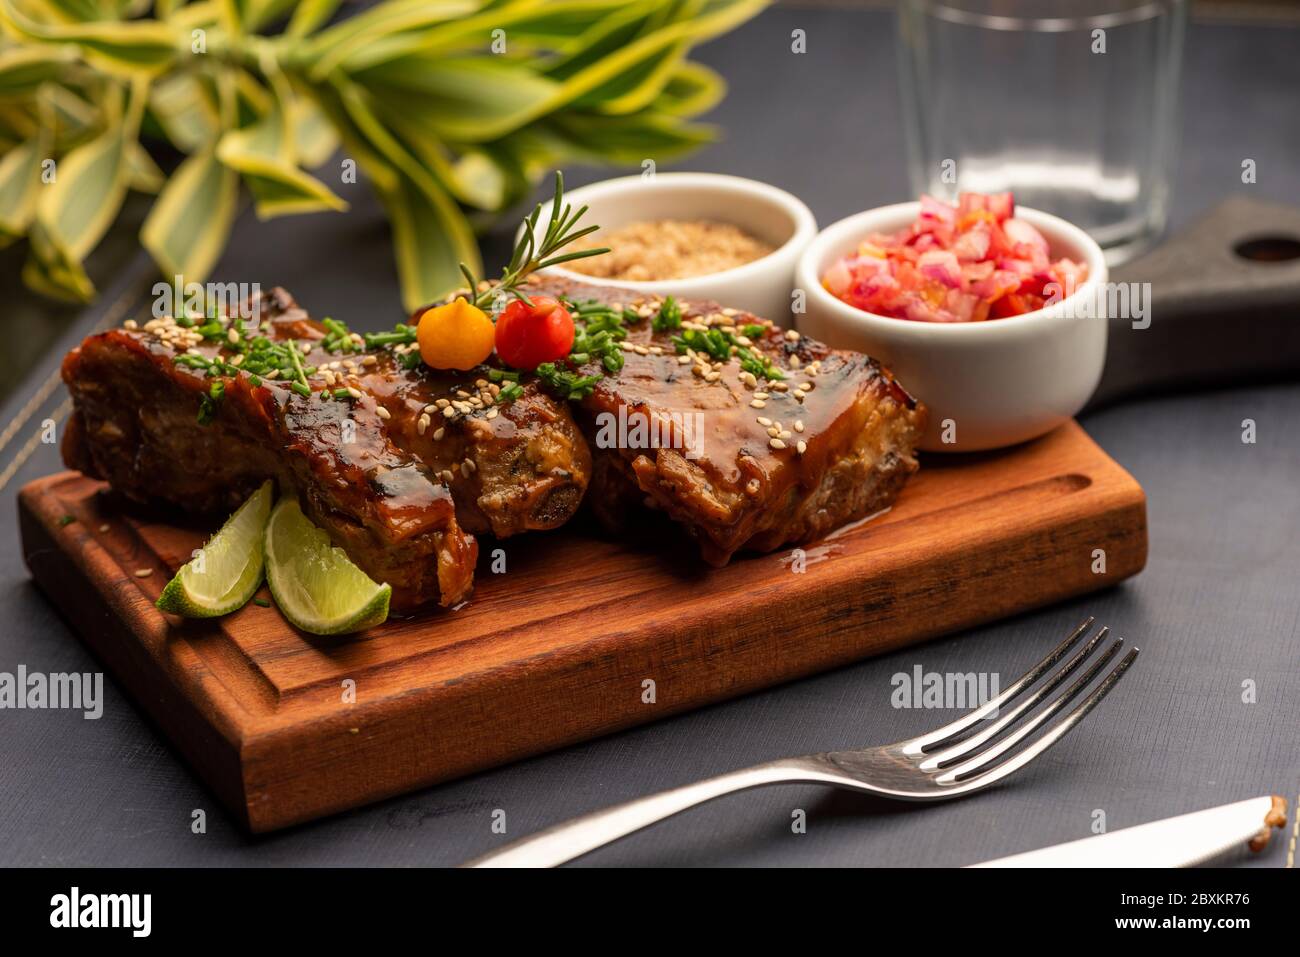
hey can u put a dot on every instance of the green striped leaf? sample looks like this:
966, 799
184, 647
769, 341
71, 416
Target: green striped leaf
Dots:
144, 176
90, 185
124, 48
20, 183
332, 46
691, 90
23, 69
529, 28
309, 16
186, 108
187, 228
430, 237
266, 155
51, 268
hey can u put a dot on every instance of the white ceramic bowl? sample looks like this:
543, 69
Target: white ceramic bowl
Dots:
989, 384
763, 286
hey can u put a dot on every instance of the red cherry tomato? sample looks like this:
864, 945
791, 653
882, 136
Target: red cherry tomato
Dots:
533, 332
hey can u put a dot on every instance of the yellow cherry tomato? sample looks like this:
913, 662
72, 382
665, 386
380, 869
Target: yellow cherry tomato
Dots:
455, 335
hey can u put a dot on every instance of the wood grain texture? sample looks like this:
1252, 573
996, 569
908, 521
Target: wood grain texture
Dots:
556, 649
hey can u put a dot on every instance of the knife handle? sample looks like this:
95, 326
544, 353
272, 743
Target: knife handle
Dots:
1224, 306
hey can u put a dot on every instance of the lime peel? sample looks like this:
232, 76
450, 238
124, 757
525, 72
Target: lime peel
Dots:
227, 571
314, 583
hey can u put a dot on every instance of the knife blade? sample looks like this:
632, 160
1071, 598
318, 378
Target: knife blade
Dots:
1182, 841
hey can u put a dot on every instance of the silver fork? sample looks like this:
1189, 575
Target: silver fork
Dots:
957, 759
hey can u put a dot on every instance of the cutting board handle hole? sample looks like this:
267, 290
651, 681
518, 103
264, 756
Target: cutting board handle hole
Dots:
1269, 249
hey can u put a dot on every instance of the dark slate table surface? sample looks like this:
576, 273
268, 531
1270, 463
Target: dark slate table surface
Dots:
1218, 604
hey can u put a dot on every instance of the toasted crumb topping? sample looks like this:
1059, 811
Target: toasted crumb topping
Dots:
669, 249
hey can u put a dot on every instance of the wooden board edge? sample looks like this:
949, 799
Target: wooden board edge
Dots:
100, 618
418, 732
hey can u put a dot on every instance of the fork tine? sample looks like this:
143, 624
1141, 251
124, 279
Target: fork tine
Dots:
938, 759
967, 721
988, 755
1057, 731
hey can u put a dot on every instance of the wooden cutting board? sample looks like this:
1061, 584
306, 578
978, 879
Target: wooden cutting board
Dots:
562, 646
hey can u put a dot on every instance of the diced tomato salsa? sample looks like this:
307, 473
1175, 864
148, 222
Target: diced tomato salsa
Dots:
964, 263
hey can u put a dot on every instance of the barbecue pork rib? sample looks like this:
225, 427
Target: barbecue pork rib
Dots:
769, 463
403, 499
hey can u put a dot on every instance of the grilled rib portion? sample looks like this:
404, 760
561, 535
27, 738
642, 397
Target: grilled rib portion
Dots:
747, 463
396, 481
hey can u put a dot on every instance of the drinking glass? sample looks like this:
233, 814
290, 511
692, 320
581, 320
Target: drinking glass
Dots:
1070, 104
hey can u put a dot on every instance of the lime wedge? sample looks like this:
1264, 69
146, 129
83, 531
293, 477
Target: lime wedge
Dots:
227, 570
314, 582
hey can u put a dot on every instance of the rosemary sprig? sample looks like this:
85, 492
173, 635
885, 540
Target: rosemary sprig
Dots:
531, 255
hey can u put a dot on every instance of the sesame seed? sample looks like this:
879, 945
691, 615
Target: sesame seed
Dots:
798, 425
422, 424
446, 475
795, 362
143, 572
441, 404
776, 443
130, 324
439, 433
383, 413
354, 392
760, 395
774, 432
103, 528
802, 447
792, 335
764, 420
758, 404
492, 413
684, 360
799, 395
370, 361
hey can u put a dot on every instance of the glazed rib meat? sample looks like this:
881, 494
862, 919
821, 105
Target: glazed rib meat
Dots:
742, 462
397, 481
